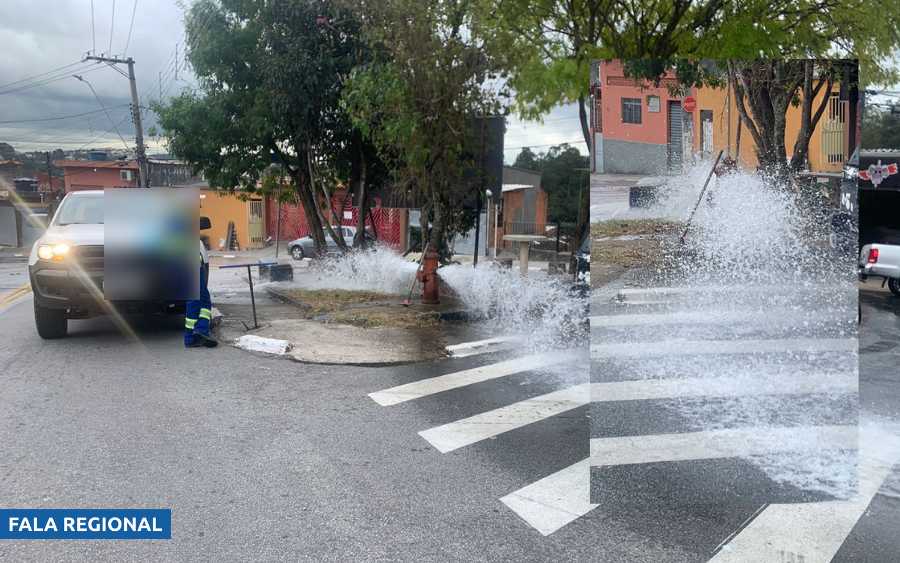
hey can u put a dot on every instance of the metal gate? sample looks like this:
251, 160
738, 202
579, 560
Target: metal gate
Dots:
676, 139
833, 133
256, 226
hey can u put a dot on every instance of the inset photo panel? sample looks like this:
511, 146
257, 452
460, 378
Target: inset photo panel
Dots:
724, 312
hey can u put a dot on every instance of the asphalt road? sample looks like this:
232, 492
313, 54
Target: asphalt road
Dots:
266, 459
668, 364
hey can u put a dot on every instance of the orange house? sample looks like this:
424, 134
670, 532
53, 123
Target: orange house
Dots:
717, 123
246, 213
637, 126
98, 174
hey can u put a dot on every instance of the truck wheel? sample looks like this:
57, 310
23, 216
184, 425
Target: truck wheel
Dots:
51, 323
894, 286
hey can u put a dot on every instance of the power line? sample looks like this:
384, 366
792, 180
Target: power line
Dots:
112, 26
130, 27
50, 79
58, 118
30, 78
21, 134
104, 110
544, 145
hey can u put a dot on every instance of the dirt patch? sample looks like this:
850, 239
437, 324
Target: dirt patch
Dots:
365, 309
619, 245
634, 227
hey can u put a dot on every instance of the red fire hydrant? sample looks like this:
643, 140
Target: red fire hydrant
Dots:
431, 286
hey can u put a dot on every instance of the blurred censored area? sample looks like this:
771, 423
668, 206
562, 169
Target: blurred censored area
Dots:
152, 244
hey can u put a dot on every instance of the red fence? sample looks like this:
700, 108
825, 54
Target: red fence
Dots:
385, 222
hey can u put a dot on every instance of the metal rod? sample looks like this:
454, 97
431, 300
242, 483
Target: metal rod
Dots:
700, 199
252, 298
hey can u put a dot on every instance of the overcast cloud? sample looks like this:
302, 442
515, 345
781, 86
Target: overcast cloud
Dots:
41, 35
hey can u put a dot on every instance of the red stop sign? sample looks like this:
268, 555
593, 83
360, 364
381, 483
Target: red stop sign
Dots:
689, 103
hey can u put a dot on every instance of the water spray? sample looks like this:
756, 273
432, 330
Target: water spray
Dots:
700, 199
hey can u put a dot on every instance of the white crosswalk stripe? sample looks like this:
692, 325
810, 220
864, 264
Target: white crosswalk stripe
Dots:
718, 444
473, 429
739, 317
814, 531
441, 383
775, 526
564, 496
676, 347
536, 505
486, 425
556, 500
486, 346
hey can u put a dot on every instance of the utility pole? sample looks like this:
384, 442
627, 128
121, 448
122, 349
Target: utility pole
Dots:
49, 171
143, 170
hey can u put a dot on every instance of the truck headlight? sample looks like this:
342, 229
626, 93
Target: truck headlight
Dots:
53, 251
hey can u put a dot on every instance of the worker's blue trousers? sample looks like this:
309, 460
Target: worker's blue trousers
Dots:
198, 312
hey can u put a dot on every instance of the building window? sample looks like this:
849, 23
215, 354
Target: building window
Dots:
653, 104
631, 110
126, 175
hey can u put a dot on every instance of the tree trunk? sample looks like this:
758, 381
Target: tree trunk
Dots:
336, 236
437, 236
310, 208
583, 118
362, 205
810, 120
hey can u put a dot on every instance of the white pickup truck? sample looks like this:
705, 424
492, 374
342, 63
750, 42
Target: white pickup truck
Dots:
881, 260
66, 268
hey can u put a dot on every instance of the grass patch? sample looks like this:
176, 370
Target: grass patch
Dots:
611, 256
366, 309
634, 227
394, 317
323, 301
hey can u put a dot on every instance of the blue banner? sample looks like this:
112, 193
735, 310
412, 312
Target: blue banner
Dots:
85, 524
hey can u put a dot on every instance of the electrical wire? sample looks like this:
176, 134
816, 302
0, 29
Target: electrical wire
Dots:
544, 145
99, 101
43, 74
53, 78
112, 27
130, 27
58, 118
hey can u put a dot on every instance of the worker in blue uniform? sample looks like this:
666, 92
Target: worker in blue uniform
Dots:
198, 312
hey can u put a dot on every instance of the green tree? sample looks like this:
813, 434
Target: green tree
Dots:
549, 44
880, 129
270, 75
528, 160
564, 174
418, 103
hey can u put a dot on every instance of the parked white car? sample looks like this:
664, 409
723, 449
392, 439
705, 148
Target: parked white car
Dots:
305, 247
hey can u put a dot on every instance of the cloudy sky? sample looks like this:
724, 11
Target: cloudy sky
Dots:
44, 40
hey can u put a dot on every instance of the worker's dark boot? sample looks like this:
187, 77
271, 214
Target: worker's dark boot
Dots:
205, 340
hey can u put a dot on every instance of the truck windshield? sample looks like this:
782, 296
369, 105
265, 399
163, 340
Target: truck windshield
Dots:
81, 210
